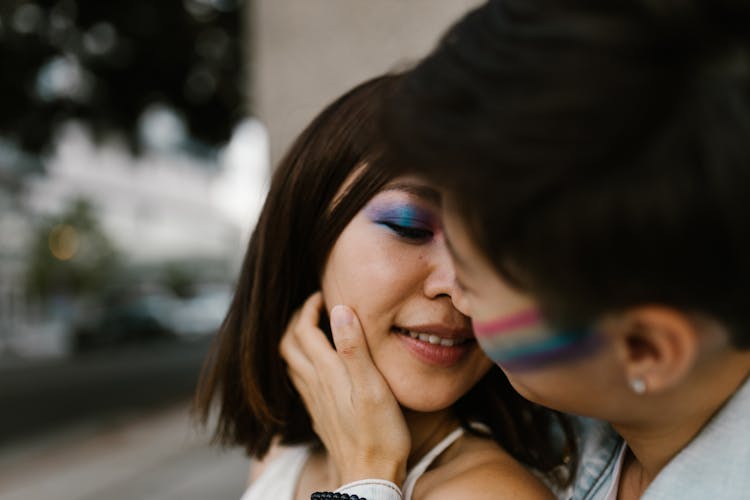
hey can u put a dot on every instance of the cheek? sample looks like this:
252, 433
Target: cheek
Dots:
580, 387
368, 275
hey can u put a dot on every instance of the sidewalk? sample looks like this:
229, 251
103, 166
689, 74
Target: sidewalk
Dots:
154, 456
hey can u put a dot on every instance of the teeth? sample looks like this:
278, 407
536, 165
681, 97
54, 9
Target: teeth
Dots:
433, 339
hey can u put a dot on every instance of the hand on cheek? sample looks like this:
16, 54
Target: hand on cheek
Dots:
347, 398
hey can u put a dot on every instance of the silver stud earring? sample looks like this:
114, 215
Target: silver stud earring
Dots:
638, 385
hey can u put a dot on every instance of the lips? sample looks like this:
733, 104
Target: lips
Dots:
435, 336
436, 344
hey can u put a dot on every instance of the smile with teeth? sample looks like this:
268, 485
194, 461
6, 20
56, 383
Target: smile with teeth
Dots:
431, 338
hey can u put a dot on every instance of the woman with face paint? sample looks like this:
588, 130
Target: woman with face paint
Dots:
596, 160
339, 224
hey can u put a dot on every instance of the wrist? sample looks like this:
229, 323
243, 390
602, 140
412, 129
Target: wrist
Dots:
393, 472
372, 489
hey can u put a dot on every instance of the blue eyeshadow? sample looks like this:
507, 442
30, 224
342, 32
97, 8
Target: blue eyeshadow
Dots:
400, 214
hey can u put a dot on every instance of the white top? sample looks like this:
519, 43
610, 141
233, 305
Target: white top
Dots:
279, 480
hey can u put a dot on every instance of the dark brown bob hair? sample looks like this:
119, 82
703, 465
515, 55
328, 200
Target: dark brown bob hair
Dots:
282, 267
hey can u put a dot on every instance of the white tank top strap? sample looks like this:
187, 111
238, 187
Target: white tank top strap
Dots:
426, 461
480, 427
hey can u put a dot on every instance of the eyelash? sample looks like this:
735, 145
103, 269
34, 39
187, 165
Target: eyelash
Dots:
410, 233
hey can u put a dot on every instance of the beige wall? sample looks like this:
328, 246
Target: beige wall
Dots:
304, 53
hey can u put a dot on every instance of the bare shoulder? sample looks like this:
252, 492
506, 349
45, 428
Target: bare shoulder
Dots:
490, 481
480, 469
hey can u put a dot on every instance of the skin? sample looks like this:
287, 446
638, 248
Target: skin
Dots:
392, 268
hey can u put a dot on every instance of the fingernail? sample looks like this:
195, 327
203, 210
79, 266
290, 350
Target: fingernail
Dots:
341, 316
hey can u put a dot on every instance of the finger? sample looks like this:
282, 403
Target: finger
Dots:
311, 401
289, 347
309, 314
307, 351
351, 346
302, 388
301, 372
295, 357
312, 341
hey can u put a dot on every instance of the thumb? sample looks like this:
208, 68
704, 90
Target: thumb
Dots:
350, 342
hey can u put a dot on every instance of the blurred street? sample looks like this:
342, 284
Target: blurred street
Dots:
45, 395
111, 424
156, 456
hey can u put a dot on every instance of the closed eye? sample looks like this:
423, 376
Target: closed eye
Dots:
410, 233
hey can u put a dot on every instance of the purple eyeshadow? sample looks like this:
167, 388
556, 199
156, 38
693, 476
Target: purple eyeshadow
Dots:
401, 214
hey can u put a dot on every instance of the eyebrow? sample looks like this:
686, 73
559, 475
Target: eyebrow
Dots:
425, 192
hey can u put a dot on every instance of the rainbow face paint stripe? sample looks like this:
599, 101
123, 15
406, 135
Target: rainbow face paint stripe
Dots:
522, 341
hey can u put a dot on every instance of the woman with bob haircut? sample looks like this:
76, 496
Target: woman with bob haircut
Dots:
338, 228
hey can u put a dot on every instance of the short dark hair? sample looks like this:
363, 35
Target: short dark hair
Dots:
283, 266
599, 151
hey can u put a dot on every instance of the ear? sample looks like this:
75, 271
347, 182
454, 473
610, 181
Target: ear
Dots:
657, 346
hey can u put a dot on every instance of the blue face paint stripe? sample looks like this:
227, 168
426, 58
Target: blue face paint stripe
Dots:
564, 354
561, 340
522, 337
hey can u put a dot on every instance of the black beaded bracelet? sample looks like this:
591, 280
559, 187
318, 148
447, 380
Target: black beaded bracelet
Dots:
328, 495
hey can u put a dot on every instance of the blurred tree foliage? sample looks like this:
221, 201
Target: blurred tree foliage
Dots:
71, 255
106, 61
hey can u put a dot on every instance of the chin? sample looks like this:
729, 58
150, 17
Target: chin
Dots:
525, 392
423, 403
424, 408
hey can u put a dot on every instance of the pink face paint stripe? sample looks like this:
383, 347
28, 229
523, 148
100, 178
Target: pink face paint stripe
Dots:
507, 323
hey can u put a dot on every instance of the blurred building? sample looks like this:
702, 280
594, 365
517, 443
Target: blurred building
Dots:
304, 54
162, 207
162, 169
15, 234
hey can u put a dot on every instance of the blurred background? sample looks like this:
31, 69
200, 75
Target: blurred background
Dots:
136, 142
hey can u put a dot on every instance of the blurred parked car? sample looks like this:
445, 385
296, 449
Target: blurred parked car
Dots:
200, 314
123, 320
151, 315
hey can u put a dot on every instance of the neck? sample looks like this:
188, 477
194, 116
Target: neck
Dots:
651, 447
673, 421
427, 430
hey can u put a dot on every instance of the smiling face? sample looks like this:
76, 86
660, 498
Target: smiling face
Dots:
391, 265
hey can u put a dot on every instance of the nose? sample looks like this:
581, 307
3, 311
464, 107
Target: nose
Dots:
441, 279
460, 301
